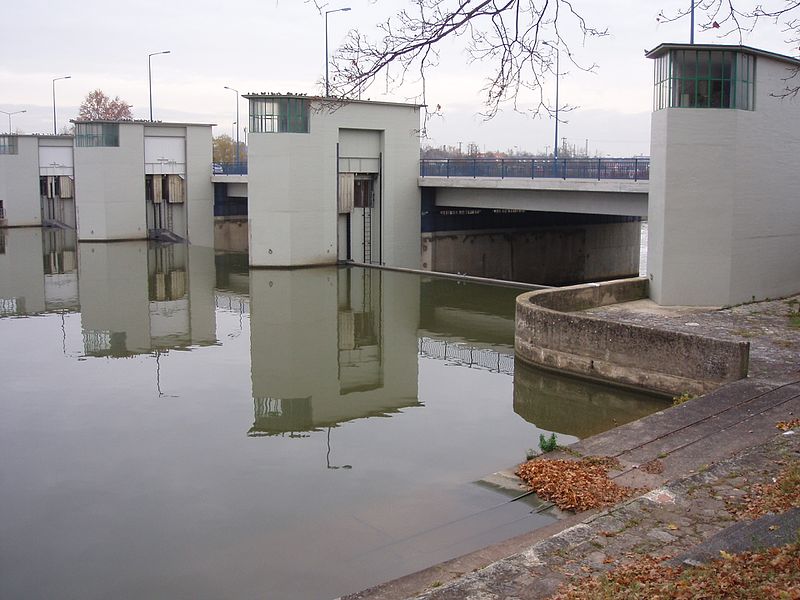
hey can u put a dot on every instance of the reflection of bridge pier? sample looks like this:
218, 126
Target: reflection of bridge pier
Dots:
330, 345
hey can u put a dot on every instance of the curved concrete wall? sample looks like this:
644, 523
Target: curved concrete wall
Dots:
550, 333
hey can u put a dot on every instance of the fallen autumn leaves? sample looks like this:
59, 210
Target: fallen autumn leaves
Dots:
766, 573
770, 573
776, 497
574, 485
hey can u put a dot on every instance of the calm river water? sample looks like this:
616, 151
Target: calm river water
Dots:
175, 425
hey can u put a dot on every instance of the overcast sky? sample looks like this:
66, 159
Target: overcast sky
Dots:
279, 46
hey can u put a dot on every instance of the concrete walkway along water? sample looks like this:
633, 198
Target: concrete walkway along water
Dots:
709, 451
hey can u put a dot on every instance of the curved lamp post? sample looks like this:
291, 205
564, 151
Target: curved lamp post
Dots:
55, 131
16, 112
150, 77
327, 12
236, 92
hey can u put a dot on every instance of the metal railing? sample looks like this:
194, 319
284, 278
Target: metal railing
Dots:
633, 169
466, 355
232, 168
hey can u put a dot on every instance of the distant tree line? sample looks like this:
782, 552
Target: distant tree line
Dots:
224, 149
472, 150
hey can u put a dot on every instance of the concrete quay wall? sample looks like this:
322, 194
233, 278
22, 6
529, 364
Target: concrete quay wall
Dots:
553, 255
551, 333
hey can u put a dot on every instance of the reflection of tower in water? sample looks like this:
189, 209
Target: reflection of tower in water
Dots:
168, 297
60, 261
140, 297
318, 342
359, 330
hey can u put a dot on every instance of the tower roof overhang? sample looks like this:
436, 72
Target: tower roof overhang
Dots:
662, 49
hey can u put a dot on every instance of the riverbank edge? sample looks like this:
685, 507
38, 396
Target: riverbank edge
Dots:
553, 331
724, 427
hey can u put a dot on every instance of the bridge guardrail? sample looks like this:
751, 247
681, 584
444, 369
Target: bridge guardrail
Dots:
632, 169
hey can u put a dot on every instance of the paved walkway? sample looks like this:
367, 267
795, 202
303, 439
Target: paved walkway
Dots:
694, 457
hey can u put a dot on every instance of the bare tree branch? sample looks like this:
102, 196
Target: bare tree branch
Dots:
737, 18
516, 41
506, 35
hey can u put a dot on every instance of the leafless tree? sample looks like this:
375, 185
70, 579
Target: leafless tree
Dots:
736, 18
515, 39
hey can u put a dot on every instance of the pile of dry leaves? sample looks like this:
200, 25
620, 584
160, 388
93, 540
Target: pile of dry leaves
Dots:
788, 425
574, 485
770, 573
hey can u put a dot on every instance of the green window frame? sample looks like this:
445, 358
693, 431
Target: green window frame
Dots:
97, 135
9, 144
279, 114
704, 79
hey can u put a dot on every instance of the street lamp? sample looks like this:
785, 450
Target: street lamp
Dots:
16, 112
327, 12
150, 78
555, 144
55, 132
236, 93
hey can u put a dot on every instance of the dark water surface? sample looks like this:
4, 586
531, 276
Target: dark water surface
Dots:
174, 425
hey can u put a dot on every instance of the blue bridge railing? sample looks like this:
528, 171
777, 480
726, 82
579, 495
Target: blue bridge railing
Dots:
232, 168
633, 169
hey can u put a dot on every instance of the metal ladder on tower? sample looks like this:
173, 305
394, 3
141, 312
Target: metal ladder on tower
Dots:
367, 235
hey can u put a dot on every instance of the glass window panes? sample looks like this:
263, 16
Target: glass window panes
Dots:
96, 135
8, 144
279, 114
704, 79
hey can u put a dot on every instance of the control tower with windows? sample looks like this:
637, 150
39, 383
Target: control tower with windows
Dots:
143, 179
724, 212
332, 180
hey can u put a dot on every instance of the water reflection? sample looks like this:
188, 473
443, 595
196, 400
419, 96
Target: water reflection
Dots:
458, 310
149, 451
329, 346
60, 249
138, 297
574, 406
21, 272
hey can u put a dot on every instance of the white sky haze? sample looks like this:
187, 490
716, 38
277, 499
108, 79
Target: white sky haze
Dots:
279, 46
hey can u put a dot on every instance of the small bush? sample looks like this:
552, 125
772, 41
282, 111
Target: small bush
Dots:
548, 444
684, 397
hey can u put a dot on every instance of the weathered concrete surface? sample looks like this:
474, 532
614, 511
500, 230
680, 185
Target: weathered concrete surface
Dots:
769, 530
774, 343
550, 255
667, 521
231, 234
551, 334
710, 450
